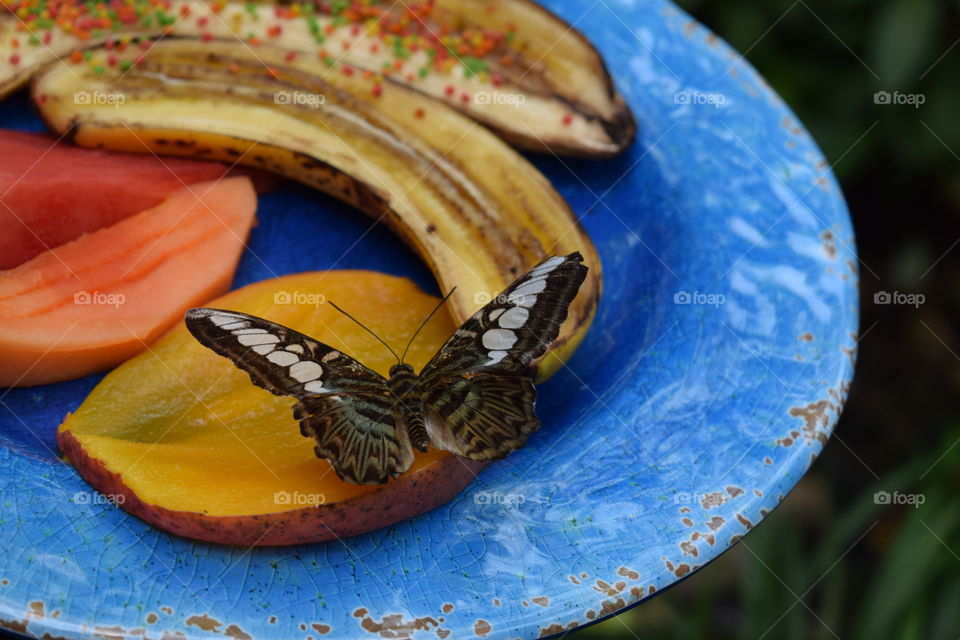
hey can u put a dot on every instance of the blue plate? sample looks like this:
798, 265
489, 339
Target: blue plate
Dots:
708, 384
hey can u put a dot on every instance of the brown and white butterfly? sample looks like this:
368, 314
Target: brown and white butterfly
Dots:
474, 398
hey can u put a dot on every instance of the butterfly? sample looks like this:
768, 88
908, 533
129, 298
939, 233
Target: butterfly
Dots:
475, 398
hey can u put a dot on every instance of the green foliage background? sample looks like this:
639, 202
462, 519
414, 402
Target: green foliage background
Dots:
830, 563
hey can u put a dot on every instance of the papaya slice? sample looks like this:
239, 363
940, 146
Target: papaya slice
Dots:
94, 302
180, 437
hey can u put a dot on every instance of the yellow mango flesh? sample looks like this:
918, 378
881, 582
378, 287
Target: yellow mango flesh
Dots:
188, 431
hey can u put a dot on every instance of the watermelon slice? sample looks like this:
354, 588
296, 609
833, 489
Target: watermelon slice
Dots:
94, 302
52, 192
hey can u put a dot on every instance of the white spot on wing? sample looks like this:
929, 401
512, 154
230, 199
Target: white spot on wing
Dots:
250, 340
514, 318
524, 301
295, 348
305, 371
330, 356
527, 288
548, 266
313, 387
220, 320
496, 313
499, 339
235, 325
264, 349
495, 357
243, 332
283, 358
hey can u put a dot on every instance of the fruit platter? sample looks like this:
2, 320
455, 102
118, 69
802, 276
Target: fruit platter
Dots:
455, 318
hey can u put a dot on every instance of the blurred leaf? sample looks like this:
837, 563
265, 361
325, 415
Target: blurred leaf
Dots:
913, 624
946, 615
914, 559
833, 599
759, 590
900, 40
799, 620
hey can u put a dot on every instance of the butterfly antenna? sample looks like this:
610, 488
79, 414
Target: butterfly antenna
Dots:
365, 328
425, 321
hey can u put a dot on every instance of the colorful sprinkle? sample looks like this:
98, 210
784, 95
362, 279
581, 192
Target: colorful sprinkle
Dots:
396, 31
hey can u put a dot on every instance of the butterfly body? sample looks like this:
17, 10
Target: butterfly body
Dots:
405, 387
475, 397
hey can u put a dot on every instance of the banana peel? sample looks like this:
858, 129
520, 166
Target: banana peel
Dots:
509, 64
476, 211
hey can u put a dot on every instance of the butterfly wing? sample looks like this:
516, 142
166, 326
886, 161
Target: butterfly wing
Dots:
478, 390
517, 326
357, 434
483, 417
345, 406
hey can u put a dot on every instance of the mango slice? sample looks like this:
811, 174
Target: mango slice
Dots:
182, 439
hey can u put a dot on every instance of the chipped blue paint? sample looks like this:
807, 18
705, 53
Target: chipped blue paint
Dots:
674, 430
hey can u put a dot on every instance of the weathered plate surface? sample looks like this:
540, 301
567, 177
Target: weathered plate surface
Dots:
676, 428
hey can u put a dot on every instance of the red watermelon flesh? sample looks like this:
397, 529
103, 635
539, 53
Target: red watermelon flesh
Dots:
52, 192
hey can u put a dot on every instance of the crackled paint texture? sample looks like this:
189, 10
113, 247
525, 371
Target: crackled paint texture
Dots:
675, 430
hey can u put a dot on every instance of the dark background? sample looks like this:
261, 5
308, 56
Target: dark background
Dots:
830, 562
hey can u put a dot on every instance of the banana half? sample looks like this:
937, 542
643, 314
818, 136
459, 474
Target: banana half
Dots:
476, 211
509, 64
